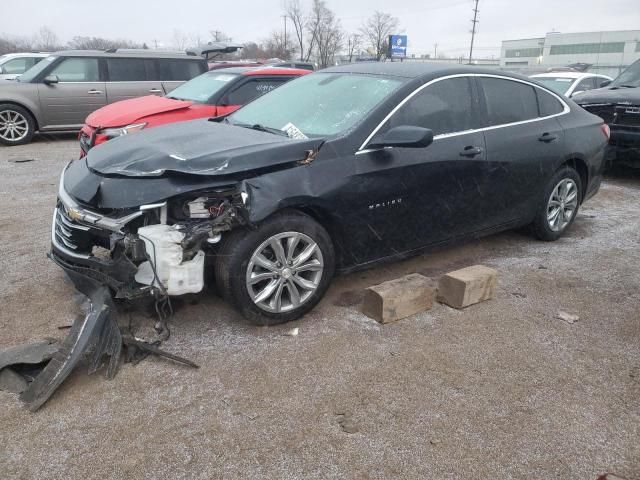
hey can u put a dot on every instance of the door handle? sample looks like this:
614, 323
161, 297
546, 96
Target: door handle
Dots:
155, 90
471, 151
95, 92
548, 137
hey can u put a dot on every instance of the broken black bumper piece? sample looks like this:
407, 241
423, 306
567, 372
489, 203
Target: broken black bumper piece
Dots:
97, 331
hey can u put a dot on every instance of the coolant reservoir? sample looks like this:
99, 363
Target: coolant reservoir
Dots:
162, 243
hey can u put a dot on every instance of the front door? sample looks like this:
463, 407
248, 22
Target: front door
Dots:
78, 92
409, 198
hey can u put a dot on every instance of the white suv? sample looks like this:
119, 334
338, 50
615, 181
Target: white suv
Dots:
14, 64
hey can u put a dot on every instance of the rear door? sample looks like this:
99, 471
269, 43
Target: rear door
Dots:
131, 78
524, 141
79, 91
174, 72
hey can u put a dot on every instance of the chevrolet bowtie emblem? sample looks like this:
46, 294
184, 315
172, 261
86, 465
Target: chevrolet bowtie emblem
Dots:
74, 214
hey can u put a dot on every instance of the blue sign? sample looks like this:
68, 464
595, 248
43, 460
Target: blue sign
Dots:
397, 46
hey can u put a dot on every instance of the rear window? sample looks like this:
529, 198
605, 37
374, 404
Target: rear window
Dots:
508, 101
128, 69
180, 70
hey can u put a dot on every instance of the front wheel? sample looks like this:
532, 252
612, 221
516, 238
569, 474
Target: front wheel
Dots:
559, 205
279, 271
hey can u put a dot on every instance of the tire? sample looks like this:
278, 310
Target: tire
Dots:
244, 278
548, 227
17, 125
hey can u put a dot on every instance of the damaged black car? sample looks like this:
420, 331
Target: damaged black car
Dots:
332, 172
618, 105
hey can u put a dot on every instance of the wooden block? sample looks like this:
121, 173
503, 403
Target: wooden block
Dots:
399, 298
467, 286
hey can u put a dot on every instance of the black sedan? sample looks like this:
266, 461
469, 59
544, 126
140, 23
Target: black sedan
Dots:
334, 171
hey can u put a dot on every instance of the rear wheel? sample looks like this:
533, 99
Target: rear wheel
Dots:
278, 272
559, 205
16, 125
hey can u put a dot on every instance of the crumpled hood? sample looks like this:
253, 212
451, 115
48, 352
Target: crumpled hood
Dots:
126, 112
609, 95
198, 147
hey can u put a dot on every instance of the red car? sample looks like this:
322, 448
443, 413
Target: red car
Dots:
209, 95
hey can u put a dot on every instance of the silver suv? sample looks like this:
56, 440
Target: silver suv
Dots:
59, 92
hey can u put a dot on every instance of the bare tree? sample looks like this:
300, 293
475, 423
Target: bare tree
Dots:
299, 19
329, 39
376, 31
353, 45
14, 44
46, 40
180, 40
275, 47
98, 43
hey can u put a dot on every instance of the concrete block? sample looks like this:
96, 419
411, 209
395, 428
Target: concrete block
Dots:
399, 298
467, 286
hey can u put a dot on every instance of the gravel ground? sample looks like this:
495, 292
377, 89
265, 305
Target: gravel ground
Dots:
500, 390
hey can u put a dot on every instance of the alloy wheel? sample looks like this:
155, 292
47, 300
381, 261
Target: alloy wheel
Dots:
284, 272
562, 204
13, 126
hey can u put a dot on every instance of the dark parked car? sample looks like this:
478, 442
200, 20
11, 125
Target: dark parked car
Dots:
618, 105
333, 171
60, 91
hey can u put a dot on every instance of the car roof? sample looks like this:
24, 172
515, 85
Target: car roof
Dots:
414, 70
127, 54
262, 70
26, 54
574, 75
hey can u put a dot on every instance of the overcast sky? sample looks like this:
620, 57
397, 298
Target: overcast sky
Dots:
424, 21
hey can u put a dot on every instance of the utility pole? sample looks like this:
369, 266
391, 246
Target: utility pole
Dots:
284, 17
473, 31
435, 50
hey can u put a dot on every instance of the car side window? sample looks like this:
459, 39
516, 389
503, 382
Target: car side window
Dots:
179, 70
548, 104
508, 101
80, 69
126, 69
444, 107
585, 84
253, 89
17, 65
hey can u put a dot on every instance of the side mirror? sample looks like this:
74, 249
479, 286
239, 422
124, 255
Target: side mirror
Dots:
50, 79
404, 136
604, 83
577, 92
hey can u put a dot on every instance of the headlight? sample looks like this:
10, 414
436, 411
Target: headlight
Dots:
117, 132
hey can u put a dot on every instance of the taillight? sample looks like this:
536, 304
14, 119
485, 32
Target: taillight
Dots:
606, 130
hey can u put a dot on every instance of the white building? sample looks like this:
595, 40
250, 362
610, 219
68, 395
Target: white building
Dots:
608, 52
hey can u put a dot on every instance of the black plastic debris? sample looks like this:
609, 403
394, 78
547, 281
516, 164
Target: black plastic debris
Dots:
19, 365
11, 381
97, 331
96, 336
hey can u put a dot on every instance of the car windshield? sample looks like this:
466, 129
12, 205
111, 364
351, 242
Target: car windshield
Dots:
34, 71
201, 88
557, 84
630, 77
318, 105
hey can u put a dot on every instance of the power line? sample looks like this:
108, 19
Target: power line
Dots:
473, 31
